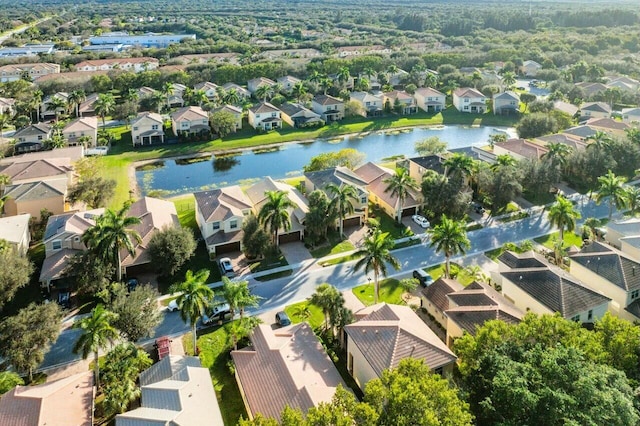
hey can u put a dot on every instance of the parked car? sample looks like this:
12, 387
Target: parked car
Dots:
421, 220
478, 208
282, 319
226, 268
132, 283
64, 299
172, 306
219, 312
423, 277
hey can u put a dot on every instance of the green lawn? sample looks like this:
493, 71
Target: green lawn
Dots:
315, 320
334, 246
389, 224
462, 277
275, 275
186, 208
390, 292
338, 260
570, 239
214, 355
269, 262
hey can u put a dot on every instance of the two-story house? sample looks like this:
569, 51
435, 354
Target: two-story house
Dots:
264, 116
127, 64
400, 100
296, 115
174, 98
330, 108
220, 214
254, 83
372, 105
625, 236
49, 170
147, 129
613, 273
81, 131
595, 110
191, 120
32, 138
631, 115
530, 68
13, 72
233, 110
506, 103
210, 89
48, 112
242, 93
429, 99
341, 177
288, 82
467, 99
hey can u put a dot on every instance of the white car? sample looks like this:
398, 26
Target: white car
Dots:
172, 306
226, 268
421, 220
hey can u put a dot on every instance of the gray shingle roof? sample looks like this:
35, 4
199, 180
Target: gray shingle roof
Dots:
525, 260
336, 175
611, 265
469, 318
430, 162
438, 291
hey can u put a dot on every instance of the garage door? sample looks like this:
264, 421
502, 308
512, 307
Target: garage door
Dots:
410, 211
290, 237
354, 221
228, 248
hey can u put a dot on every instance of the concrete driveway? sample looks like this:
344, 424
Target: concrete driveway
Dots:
295, 252
356, 234
415, 228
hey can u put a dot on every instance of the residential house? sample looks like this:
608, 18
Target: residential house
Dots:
609, 125
144, 40
191, 120
175, 391
32, 197
233, 110
13, 72
345, 51
624, 83
127, 64
297, 115
243, 93
146, 92
372, 105
220, 216
530, 68
205, 58
398, 78
591, 89
532, 284
257, 195
571, 141
624, 235
566, 107
429, 99
67, 401
506, 103
47, 112
81, 131
285, 367
341, 177
466, 99
15, 231
330, 108
288, 82
582, 132
631, 115
383, 335
32, 138
595, 110
290, 54
401, 100
254, 83
434, 300
57, 170
7, 106
147, 129
210, 89
375, 176
71, 153
264, 116
87, 107
613, 273
520, 149
418, 166
174, 98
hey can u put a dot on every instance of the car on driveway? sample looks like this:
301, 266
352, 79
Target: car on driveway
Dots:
132, 283
64, 299
172, 306
421, 221
478, 208
217, 313
423, 277
226, 268
282, 319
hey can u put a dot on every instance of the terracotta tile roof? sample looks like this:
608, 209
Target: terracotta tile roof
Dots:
369, 172
437, 292
468, 92
229, 108
566, 107
386, 334
70, 153
327, 100
67, 401
36, 169
206, 85
566, 139
73, 223
286, 366
398, 94
263, 107
221, 204
189, 113
523, 148
379, 188
611, 264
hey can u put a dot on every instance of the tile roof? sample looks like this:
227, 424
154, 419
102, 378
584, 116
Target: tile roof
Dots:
386, 334
221, 204
596, 106
529, 259
189, 113
379, 187
327, 100
73, 223
256, 194
28, 170
229, 108
79, 124
148, 115
114, 61
430, 162
523, 148
241, 90
286, 366
70, 153
263, 107
611, 264
508, 95
369, 172
468, 92
398, 94
566, 139
566, 107
337, 176
469, 318
43, 128
429, 92
607, 123
54, 266
437, 292
67, 401
36, 190
580, 131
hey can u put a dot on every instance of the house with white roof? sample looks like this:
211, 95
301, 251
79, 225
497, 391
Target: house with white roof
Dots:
467, 99
624, 235
15, 231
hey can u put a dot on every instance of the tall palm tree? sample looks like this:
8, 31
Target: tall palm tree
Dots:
263, 92
34, 103
111, 233
156, 101
376, 253
449, 237
105, 104
276, 88
400, 185
167, 90
613, 187
459, 165
342, 199
241, 329
55, 104
299, 90
274, 214
557, 154
503, 160
238, 296
601, 141
231, 97
195, 296
132, 95
563, 215
75, 99
97, 333
633, 198
343, 75
329, 299
509, 79
326, 84
199, 97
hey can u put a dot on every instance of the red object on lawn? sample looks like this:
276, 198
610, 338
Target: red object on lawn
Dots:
163, 346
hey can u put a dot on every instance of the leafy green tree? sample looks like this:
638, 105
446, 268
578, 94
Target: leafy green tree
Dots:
94, 191
15, 273
620, 343
223, 123
342, 199
318, 218
430, 146
348, 157
442, 195
509, 79
400, 185
170, 248
536, 124
563, 215
458, 165
274, 214
195, 296
56, 104
137, 311
112, 232
122, 366
26, 337
238, 296
9, 380
255, 240
376, 253
450, 238
632, 198
497, 137
241, 329
88, 272
98, 332
526, 99
611, 187
263, 92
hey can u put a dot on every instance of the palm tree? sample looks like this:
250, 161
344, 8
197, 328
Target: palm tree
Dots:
476, 78
263, 92
34, 103
167, 91
97, 332
105, 104
241, 329
633, 198
75, 99
195, 296
232, 97
238, 296
376, 253
601, 141
299, 90
509, 79
503, 160
563, 215
111, 233
612, 186
449, 237
476, 273
400, 185
274, 214
329, 299
132, 95
590, 224
326, 84
342, 201
458, 164
343, 75
557, 154
55, 104
156, 101
276, 88
199, 97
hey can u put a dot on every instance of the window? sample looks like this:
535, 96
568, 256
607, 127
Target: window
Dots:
466, 100
154, 127
590, 315
575, 318
466, 108
39, 137
233, 224
56, 245
246, 212
215, 226
76, 239
72, 135
439, 371
635, 294
274, 114
363, 199
135, 129
367, 103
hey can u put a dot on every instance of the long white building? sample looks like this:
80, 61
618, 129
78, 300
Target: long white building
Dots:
145, 40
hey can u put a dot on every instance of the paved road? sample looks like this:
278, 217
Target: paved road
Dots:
280, 292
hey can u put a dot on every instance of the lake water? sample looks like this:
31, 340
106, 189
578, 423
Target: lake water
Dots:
172, 178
